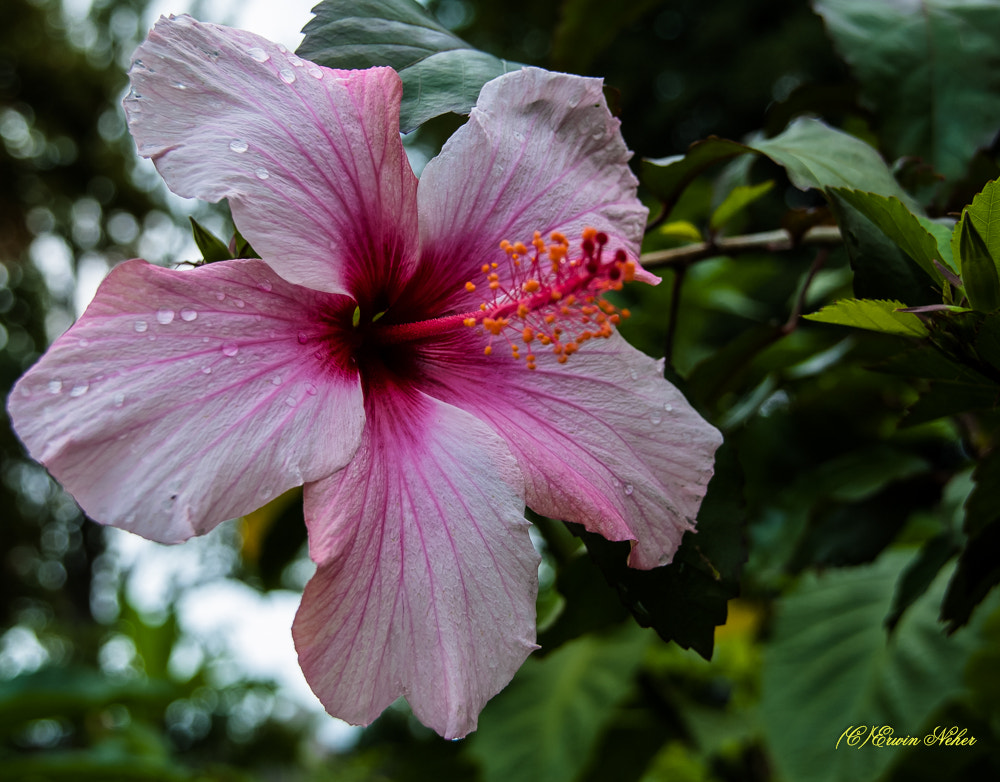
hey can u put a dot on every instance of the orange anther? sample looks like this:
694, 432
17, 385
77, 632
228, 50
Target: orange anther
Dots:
528, 334
488, 350
470, 287
530, 286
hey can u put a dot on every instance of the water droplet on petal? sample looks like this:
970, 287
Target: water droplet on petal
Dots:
230, 349
265, 285
290, 401
303, 338
188, 315
315, 71
79, 389
629, 488
633, 374
206, 370
295, 60
119, 399
179, 85
219, 295
84, 342
55, 386
668, 407
518, 135
258, 54
310, 389
261, 173
238, 145
141, 326
655, 419
287, 75
239, 303
276, 380
163, 317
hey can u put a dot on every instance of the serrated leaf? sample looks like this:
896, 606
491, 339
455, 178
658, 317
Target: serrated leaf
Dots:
441, 73
984, 211
919, 574
881, 269
212, 248
899, 224
979, 270
542, 726
872, 315
942, 235
928, 70
829, 665
739, 198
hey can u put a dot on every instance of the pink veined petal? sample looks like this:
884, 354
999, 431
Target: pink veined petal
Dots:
540, 152
309, 158
602, 441
427, 578
168, 418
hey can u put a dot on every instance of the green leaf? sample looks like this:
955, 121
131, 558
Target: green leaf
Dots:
985, 213
881, 269
813, 154
829, 666
983, 504
818, 156
441, 73
211, 247
686, 600
739, 198
899, 224
543, 725
928, 69
872, 315
979, 270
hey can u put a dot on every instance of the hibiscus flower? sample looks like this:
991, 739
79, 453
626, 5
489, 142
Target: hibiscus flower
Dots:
426, 360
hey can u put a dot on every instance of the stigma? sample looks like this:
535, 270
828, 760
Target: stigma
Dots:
550, 298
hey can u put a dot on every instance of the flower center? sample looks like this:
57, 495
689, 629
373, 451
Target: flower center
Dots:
551, 299
545, 299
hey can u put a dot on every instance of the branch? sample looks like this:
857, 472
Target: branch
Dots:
769, 241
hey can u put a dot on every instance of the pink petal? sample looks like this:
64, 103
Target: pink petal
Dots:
540, 152
602, 441
309, 158
167, 418
427, 579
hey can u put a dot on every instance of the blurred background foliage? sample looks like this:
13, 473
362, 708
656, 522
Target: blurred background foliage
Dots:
831, 535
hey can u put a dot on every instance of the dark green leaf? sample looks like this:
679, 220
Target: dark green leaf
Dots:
982, 508
872, 315
985, 213
979, 271
920, 573
686, 600
977, 573
899, 224
881, 269
928, 69
542, 726
211, 247
441, 73
830, 666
